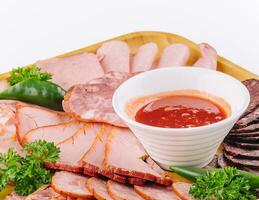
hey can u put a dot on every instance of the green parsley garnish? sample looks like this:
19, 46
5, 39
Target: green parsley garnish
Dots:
27, 173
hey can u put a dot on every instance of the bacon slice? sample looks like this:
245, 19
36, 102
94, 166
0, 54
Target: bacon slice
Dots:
31, 117
114, 56
93, 101
98, 188
174, 55
86, 66
73, 149
54, 133
129, 163
156, 192
208, 57
120, 191
70, 184
144, 58
182, 190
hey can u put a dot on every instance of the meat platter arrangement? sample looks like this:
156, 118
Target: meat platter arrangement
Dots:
62, 138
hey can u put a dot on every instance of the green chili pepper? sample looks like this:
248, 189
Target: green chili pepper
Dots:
43, 93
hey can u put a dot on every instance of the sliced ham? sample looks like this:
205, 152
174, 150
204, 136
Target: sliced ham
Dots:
31, 117
174, 55
14, 196
182, 190
114, 56
73, 149
93, 101
11, 143
155, 192
4, 85
144, 58
208, 57
53, 133
98, 188
120, 191
129, 163
70, 184
72, 70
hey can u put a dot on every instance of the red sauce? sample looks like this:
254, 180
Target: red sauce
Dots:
180, 112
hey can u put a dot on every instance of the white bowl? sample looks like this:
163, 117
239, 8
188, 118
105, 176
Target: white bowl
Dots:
182, 146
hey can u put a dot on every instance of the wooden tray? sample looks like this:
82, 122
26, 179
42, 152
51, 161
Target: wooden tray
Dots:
135, 40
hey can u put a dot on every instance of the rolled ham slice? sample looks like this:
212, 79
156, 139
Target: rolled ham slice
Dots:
114, 56
144, 58
208, 57
98, 188
92, 102
156, 192
70, 184
53, 133
174, 55
72, 70
120, 191
129, 163
73, 149
31, 117
182, 190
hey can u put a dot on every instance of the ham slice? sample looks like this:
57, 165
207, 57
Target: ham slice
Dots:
120, 191
156, 192
208, 57
11, 143
70, 184
72, 150
92, 102
114, 56
98, 188
182, 190
174, 55
53, 133
14, 196
129, 163
31, 117
85, 66
144, 58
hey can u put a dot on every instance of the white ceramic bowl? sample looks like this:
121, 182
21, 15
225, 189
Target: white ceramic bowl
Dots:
182, 146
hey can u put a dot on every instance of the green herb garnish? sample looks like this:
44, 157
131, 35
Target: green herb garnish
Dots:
22, 74
27, 173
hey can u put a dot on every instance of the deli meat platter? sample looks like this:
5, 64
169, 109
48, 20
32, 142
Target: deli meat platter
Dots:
124, 119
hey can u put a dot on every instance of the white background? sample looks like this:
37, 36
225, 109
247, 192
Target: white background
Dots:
38, 29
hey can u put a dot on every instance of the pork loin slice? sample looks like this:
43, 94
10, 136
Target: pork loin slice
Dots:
208, 57
54, 133
144, 58
93, 101
31, 117
114, 56
120, 191
70, 184
85, 66
182, 190
129, 163
73, 149
98, 188
156, 192
174, 55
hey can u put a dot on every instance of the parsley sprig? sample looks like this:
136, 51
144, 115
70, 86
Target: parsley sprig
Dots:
22, 74
27, 173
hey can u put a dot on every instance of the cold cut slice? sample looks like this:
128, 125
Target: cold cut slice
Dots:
54, 133
241, 162
114, 56
174, 55
144, 58
11, 143
208, 57
98, 188
70, 184
120, 191
233, 134
251, 118
73, 149
248, 139
250, 128
243, 145
71, 70
14, 196
129, 163
93, 101
241, 153
155, 192
182, 190
31, 117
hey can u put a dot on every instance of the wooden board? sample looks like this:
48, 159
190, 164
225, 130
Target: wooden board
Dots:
135, 40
